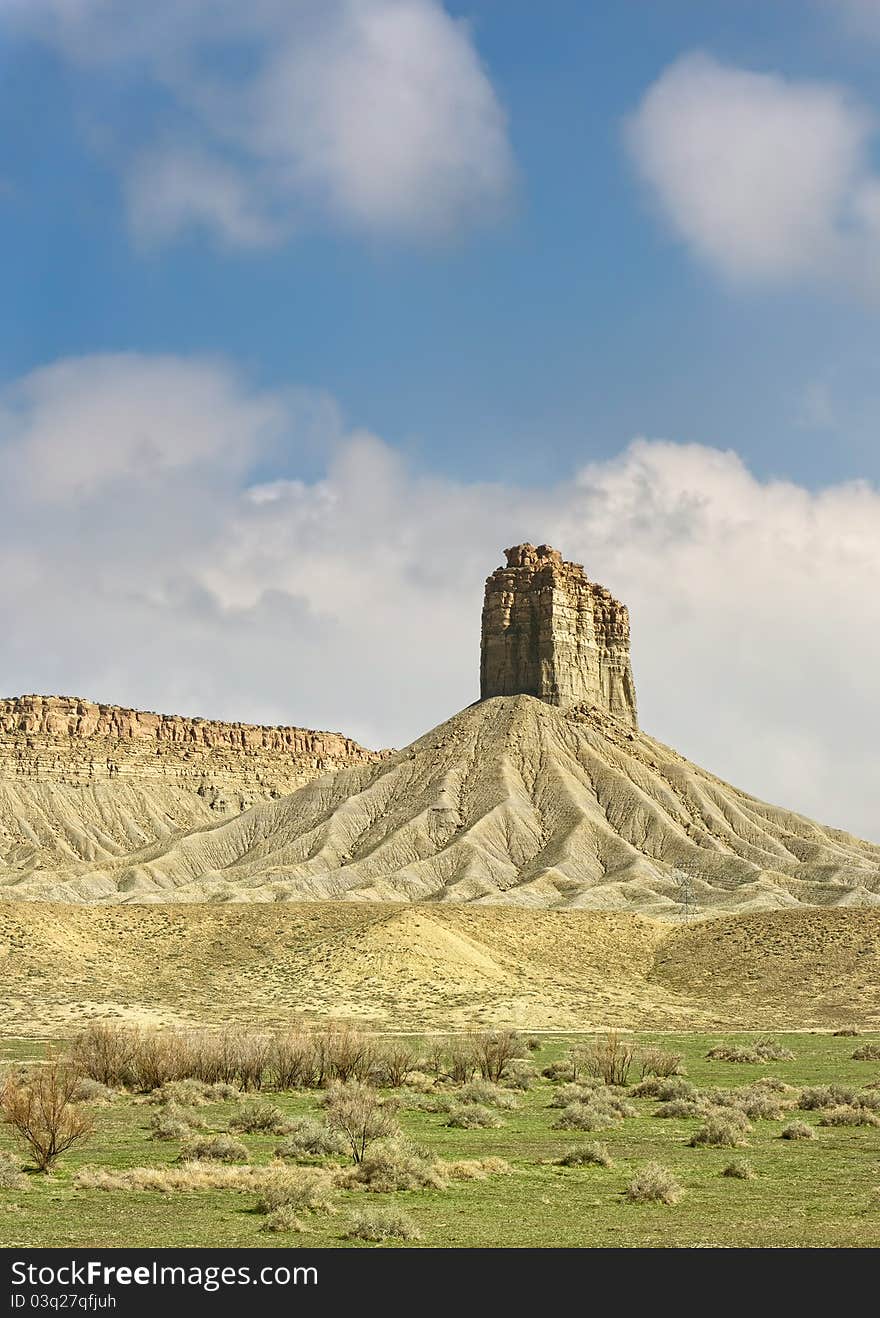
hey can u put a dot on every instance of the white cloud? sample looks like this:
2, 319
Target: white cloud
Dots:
139, 565
373, 115
764, 177
168, 190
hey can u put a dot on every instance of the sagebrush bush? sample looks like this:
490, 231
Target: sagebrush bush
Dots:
11, 1175
472, 1169
307, 1138
559, 1071
740, 1170
282, 1220
797, 1130
258, 1118
92, 1091
849, 1116
726, 1129
825, 1096
395, 1164
571, 1092
298, 1189
586, 1155
213, 1148
680, 1108
847, 1032
869, 1052
488, 1094
379, 1224
583, 1116
519, 1073
667, 1090
471, 1116
654, 1184
173, 1122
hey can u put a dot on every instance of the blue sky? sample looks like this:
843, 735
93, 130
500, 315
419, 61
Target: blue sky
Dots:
574, 322
312, 307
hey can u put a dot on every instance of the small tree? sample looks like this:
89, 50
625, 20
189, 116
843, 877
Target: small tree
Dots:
494, 1050
361, 1116
40, 1109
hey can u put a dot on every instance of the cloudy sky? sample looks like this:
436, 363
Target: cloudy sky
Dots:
313, 306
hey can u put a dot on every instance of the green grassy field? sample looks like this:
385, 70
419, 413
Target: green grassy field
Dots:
820, 1192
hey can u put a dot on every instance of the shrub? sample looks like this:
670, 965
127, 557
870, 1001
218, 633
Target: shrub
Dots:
869, 1052
173, 1122
583, 1116
472, 1116
666, 1090
586, 1155
731, 1052
756, 1103
460, 1060
654, 1184
298, 1189
282, 1219
396, 1164
740, 1169
849, 1116
381, 1224
659, 1062
488, 1094
105, 1053
798, 1130
92, 1091
256, 1118
11, 1176
494, 1050
473, 1169
771, 1051
519, 1074
680, 1108
533, 1043
847, 1032
360, 1115
213, 1148
571, 1093
392, 1064
826, 1096
561, 1070
39, 1106
722, 1130
609, 1057
308, 1138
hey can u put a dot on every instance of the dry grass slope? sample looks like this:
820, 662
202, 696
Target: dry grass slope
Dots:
435, 967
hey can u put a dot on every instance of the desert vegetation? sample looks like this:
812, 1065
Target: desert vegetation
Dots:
338, 1135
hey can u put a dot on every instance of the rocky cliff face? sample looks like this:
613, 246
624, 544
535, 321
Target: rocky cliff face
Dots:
63, 740
548, 631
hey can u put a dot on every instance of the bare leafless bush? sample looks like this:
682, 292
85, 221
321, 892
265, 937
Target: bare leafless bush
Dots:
361, 1115
494, 1049
393, 1061
659, 1062
39, 1106
610, 1057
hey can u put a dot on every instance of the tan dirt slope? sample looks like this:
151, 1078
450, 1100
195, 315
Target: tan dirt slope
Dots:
434, 967
511, 801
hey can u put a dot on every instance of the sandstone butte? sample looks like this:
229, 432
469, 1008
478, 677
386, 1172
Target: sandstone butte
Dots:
543, 793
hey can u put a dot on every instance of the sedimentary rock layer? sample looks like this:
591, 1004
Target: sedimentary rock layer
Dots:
550, 632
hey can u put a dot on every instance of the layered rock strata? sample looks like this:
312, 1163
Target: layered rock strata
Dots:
65, 740
548, 631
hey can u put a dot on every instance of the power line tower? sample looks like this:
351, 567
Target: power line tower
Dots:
687, 896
